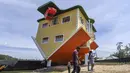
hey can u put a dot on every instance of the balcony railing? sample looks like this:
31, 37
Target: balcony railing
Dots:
92, 35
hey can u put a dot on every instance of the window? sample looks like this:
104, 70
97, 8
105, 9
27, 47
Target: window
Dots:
45, 40
55, 21
44, 25
81, 20
88, 26
59, 38
66, 19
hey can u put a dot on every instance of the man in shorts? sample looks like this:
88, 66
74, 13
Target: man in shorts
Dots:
91, 60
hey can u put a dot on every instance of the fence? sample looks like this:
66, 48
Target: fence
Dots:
22, 65
124, 60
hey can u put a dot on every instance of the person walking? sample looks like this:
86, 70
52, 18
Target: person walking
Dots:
76, 60
91, 60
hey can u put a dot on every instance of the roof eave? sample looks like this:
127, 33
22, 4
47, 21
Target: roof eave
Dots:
42, 9
94, 29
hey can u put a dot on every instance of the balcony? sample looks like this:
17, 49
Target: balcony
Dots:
92, 35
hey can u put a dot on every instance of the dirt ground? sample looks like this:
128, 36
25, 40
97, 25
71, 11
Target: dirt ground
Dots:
107, 69
125, 68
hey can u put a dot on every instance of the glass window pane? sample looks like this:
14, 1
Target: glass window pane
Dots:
45, 40
66, 19
44, 25
59, 38
55, 21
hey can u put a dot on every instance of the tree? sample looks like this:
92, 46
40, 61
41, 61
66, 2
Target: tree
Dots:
119, 45
6, 57
121, 53
127, 51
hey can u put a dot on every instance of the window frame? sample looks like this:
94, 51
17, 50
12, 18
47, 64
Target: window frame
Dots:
45, 42
81, 20
89, 29
88, 26
59, 35
46, 26
53, 20
65, 17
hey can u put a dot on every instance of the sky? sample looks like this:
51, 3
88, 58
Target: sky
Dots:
18, 22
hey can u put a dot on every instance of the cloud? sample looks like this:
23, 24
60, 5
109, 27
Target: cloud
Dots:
18, 21
19, 3
16, 40
22, 53
112, 21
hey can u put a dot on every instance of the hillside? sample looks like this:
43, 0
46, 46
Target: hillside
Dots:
6, 57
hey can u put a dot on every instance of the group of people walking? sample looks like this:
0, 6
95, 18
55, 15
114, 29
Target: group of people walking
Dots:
76, 62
